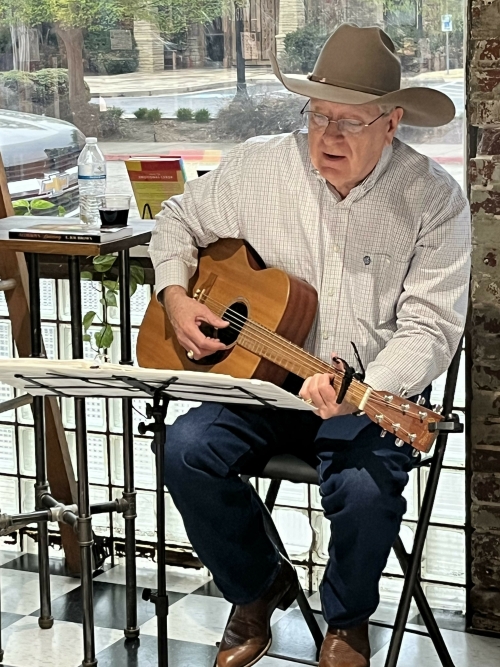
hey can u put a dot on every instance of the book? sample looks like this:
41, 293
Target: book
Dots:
74, 232
155, 179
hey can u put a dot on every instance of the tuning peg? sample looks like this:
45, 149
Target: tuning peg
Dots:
421, 400
399, 442
415, 453
438, 408
383, 433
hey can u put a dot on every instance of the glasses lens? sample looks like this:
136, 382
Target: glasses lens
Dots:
350, 126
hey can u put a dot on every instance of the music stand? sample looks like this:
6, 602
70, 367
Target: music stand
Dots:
86, 379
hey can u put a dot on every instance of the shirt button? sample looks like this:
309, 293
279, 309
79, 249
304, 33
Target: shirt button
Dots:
331, 292
326, 336
336, 247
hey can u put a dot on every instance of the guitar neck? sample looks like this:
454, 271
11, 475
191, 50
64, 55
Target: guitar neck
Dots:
296, 360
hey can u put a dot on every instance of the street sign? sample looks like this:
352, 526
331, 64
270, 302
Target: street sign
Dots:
446, 23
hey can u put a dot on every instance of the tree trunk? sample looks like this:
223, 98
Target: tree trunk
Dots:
19, 34
72, 39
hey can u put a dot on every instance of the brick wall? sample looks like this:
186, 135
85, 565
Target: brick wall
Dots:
484, 172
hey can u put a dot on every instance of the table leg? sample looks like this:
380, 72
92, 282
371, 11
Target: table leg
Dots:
129, 494
159, 414
85, 537
45, 620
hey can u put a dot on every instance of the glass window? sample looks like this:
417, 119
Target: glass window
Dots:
194, 79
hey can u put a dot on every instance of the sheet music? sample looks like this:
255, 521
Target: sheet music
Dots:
82, 378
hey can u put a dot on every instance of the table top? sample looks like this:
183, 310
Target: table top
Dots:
141, 234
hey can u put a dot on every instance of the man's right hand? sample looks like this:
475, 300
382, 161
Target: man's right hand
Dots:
186, 315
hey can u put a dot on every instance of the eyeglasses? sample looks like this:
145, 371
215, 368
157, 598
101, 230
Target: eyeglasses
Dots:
345, 125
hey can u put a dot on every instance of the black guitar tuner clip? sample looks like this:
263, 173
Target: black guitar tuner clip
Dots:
350, 374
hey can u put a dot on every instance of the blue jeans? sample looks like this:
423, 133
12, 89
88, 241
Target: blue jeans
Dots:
361, 476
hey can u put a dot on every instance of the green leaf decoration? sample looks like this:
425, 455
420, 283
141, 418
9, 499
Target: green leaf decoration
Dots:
62, 211
86, 275
111, 285
102, 301
104, 337
111, 299
21, 203
137, 272
103, 263
41, 205
86, 338
88, 319
133, 285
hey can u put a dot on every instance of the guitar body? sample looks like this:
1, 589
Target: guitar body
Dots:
234, 278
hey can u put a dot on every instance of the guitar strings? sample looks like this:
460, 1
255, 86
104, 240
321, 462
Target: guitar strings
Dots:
310, 360
356, 392
269, 336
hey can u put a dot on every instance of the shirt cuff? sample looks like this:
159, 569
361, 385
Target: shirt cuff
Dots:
383, 378
171, 272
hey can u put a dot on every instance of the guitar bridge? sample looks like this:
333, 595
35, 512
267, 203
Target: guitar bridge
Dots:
202, 292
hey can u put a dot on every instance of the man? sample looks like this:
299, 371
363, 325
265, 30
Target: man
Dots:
382, 233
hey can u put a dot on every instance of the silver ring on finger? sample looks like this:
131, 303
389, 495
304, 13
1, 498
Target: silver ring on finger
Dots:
190, 354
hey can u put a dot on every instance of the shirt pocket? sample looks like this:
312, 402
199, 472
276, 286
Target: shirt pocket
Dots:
368, 275
376, 286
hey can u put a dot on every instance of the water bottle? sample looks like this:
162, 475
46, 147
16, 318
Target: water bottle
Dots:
91, 181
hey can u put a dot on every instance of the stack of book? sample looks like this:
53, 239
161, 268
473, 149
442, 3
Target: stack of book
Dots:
55, 230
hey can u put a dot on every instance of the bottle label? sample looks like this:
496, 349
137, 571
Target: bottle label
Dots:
92, 171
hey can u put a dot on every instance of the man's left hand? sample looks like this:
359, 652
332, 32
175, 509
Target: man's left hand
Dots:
318, 390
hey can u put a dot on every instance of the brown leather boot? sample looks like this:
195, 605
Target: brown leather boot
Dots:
247, 637
346, 648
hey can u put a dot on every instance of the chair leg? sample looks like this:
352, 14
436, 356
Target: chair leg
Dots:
424, 608
302, 601
416, 554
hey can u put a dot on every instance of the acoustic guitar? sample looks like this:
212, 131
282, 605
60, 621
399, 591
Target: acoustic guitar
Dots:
270, 315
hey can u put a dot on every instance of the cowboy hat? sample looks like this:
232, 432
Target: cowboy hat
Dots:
358, 65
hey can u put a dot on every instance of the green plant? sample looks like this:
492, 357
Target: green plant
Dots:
302, 47
154, 115
35, 206
108, 286
253, 116
109, 122
141, 113
184, 114
202, 116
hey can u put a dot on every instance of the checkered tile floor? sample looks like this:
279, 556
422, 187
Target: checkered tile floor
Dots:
196, 620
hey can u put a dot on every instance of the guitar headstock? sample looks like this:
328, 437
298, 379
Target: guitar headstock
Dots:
405, 419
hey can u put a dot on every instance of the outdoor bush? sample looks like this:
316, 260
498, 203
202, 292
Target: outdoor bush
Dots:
109, 122
141, 113
250, 117
47, 82
41, 89
184, 114
154, 115
16, 80
202, 116
302, 47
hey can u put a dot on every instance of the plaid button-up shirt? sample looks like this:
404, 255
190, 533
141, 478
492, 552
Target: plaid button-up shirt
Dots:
390, 262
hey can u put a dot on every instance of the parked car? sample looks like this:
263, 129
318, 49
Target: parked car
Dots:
40, 156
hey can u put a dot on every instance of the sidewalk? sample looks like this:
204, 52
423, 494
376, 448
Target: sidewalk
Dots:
170, 82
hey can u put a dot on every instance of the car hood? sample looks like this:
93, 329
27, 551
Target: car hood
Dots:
25, 138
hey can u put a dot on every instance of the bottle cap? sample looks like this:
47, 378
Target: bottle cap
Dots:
91, 140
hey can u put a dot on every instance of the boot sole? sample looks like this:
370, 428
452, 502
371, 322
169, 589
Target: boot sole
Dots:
260, 656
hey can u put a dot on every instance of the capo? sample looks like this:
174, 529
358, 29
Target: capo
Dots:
350, 374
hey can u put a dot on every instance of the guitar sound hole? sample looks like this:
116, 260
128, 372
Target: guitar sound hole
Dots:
237, 315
